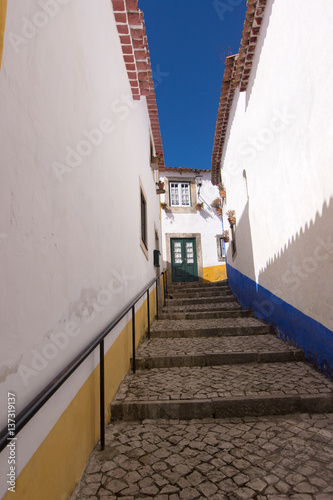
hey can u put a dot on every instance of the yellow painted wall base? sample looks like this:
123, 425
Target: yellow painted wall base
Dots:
55, 469
214, 273
3, 12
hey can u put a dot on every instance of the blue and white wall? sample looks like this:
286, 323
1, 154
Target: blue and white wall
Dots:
277, 168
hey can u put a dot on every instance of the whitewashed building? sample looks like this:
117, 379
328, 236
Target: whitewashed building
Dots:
79, 222
192, 234
274, 143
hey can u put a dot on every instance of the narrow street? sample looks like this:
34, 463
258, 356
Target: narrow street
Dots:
218, 408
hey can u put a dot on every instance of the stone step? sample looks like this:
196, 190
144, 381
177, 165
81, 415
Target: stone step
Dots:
205, 307
237, 313
213, 292
223, 391
197, 285
208, 327
200, 300
167, 353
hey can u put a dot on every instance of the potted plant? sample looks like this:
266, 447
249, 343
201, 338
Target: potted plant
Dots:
160, 187
163, 205
222, 190
231, 217
199, 206
217, 205
225, 236
155, 160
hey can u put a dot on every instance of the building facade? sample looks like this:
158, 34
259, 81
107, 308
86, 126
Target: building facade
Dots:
274, 145
193, 245
79, 221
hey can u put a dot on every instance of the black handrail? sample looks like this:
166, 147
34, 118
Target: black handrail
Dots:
38, 402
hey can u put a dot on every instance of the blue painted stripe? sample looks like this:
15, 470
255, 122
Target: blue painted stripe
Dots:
290, 323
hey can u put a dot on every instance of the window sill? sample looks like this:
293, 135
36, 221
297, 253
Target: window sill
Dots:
182, 210
144, 249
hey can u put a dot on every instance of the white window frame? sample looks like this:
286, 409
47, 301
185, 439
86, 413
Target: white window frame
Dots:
220, 248
179, 189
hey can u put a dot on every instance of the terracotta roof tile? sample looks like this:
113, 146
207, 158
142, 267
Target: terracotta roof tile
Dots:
236, 74
133, 39
183, 170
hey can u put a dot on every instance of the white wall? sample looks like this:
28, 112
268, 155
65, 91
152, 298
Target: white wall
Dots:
281, 134
205, 221
70, 240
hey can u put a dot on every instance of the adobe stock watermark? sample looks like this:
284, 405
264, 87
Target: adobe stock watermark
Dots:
223, 7
293, 278
158, 76
59, 341
92, 138
249, 149
40, 19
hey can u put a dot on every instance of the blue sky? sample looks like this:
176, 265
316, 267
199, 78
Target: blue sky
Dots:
188, 43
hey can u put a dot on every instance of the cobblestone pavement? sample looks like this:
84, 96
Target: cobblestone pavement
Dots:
200, 324
267, 458
208, 382
183, 346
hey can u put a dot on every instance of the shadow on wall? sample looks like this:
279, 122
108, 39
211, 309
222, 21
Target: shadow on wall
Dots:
302, 275
305, 268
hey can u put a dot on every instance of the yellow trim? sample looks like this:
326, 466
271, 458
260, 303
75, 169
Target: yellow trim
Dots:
54, 470
3, 13
214, 273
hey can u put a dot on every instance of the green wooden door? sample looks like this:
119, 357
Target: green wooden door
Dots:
184, 259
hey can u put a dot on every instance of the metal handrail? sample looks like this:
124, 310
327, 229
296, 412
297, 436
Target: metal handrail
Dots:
39, 401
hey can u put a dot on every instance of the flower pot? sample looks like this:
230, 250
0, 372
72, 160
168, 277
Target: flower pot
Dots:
163, 206
225, 239
232, 221
154, 162
223, 193
219, 211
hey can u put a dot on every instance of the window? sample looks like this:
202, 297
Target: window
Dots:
220, 248
143, 219
180, 194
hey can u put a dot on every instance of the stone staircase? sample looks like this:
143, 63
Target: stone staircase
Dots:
209, 358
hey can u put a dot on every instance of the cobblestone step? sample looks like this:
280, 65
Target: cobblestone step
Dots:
205, 307
193, 294
222, 391
167, 353
237, 313
200, 300
208, 327
198, 285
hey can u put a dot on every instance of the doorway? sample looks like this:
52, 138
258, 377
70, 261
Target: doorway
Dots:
184, 264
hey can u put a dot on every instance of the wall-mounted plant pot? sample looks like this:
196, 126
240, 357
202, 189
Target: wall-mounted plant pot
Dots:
164, 206
223, 193
199, 206
219, 211
232, 221
225, 239
160, 191
154, 162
